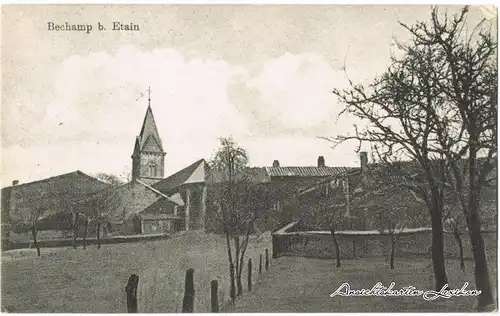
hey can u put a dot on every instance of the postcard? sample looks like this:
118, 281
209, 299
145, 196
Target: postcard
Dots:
249, 158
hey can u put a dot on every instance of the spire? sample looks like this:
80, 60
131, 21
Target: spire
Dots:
149, 138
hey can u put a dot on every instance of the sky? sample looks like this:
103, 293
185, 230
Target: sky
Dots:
262, 74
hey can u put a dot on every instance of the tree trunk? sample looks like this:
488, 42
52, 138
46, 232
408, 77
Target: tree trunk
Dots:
393, 246
239, 285
336, 245
249, 275
480, 264
85, 233
75, 229
35, 241
460, 249
232, 291
98, 231
438, 251
473, 220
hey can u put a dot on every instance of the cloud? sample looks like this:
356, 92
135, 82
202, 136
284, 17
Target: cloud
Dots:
102, 89
297, 151
296, 90
292, 95
97, 104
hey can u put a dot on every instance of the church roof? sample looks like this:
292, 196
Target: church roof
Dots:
194, 173
149, 134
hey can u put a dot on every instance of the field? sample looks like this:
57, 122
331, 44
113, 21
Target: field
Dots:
304, 285
93, 280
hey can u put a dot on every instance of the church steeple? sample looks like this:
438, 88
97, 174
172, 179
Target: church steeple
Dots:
148, 157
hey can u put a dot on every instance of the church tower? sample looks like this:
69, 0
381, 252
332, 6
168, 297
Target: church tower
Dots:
148, 158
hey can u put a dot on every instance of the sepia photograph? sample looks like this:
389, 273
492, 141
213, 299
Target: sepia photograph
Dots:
249, 158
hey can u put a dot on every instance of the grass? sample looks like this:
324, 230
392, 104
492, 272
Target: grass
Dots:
304, 285
93, 280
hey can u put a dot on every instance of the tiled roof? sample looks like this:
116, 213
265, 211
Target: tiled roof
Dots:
251, 174
172, 182
176, 200
353, 175
76, 173
305, 171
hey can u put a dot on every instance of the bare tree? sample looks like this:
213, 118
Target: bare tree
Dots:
27, 220
34, 229
392, 220
111, 178
385, 193
437, 102
237, 201
467, 134
327, 207
455, 224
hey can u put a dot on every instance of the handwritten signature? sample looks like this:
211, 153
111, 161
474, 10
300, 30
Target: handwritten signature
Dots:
380, 290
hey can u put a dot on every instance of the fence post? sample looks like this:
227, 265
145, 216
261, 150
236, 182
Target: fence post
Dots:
267, 259
188, 302
260, 263
131, 290
214, 296
250, 275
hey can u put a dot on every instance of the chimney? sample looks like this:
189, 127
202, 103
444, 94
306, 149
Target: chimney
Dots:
321, 161
15, 182
276, 163
363, 157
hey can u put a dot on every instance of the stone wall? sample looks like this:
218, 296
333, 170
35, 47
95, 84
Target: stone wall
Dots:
417, 244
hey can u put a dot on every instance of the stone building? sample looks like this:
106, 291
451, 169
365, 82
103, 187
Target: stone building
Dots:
135, 208
45, 200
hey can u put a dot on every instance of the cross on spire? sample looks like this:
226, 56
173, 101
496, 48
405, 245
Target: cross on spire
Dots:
149, 95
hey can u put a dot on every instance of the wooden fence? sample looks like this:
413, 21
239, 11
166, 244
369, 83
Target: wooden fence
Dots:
54, 243
188, 300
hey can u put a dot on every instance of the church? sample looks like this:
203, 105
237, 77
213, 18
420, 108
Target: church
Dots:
151, 203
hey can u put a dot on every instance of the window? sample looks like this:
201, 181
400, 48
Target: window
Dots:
276, 206
152, 169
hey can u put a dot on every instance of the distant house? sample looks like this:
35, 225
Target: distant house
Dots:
46, 198
287, 181
281, 184
372, 188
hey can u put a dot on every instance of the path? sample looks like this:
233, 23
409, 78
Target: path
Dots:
304, 285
